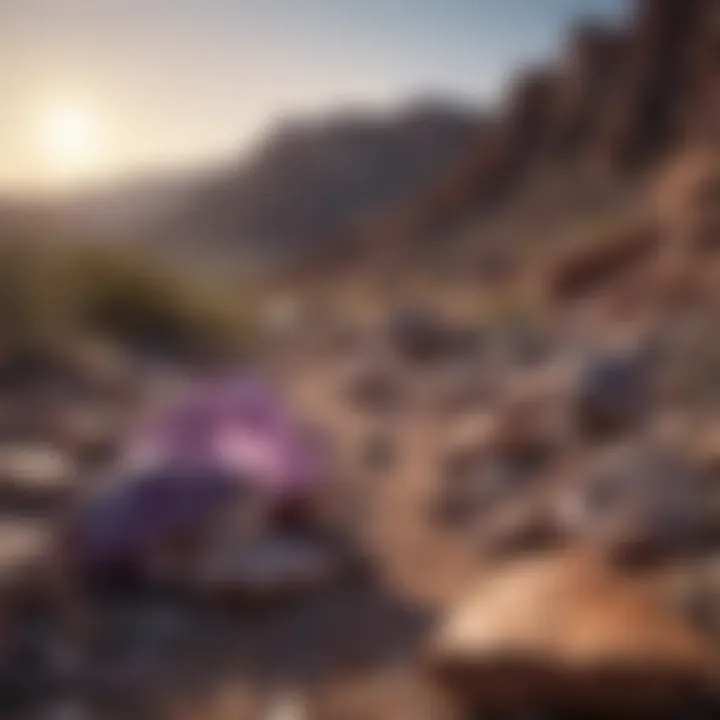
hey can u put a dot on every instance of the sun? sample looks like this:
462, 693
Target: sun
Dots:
70, 136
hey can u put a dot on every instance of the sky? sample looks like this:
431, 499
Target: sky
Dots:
101, 89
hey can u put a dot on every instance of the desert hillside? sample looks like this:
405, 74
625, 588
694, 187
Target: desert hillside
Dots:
578, 139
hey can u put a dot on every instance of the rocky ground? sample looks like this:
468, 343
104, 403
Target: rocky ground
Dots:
568, 421
459, 451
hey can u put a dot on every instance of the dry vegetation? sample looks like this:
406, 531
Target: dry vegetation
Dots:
52, 295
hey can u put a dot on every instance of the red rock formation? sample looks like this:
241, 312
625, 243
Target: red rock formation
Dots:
622, 99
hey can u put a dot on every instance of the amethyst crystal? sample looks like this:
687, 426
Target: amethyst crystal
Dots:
228, 442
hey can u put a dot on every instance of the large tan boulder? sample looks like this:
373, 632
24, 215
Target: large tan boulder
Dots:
565, 632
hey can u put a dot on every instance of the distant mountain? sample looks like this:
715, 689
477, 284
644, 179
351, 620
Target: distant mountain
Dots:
128, 211
576, 137
309, 182
302, 187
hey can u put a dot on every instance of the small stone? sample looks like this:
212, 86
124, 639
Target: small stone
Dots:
268, 568
458, 389
523, 526
470, 497
373, 385
694, 590
420, 335
614, 393
378, 451
467, 445
35, 471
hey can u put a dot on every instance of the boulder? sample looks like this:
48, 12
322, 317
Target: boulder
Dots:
528, 428
523, 430
373, 384
637, 503
468, 443
523, 343
706, 450
419, 335
614, 392
459, 388
22, 544
468, 498
524, 525
90, 434
34, 474
492, 458
694, 589
566, 633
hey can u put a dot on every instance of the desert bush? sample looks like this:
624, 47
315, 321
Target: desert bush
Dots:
137, 300
51, 294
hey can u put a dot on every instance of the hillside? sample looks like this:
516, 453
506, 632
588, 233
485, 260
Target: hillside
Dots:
309, 181
574, 138
437, 185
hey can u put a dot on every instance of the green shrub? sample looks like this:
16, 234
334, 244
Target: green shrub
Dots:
126, 295
137, 300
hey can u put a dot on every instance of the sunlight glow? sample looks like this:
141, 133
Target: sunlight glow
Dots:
70, 137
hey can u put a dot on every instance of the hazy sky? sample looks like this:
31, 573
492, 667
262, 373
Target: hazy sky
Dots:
98, 88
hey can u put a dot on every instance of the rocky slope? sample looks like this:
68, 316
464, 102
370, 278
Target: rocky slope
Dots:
573, 135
